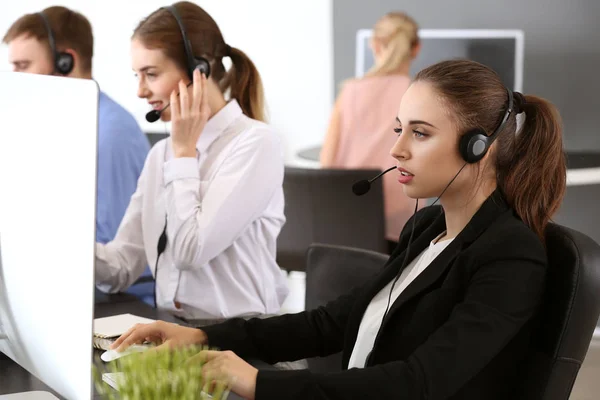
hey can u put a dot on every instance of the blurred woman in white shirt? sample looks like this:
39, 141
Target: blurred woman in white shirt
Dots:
213, 189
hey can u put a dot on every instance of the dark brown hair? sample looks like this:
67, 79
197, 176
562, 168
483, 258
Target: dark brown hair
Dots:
71, 30
530, 164
160, 31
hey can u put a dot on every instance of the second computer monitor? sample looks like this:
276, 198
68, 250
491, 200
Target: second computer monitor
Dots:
501, 50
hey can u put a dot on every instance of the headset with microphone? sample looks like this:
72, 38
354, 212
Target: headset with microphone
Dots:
192, 62
473, 146
62, 61
362, 187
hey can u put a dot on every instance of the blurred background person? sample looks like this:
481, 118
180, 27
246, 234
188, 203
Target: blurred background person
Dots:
361, 127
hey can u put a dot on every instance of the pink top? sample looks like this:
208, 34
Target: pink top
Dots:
368, 109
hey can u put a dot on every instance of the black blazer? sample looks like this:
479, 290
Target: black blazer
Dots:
460, 330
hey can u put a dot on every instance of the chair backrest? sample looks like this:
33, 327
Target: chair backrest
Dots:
321, 208
568, 316
332, 271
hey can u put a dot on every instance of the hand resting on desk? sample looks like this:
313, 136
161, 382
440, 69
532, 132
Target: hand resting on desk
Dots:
163, 334
224, 366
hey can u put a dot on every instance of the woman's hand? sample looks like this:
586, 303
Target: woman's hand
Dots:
189, 116
165, 333
225, 366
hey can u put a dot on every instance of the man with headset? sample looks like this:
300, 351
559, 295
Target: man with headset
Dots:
59, 41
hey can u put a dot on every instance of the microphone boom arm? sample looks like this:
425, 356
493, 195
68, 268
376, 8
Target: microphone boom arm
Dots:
382, 173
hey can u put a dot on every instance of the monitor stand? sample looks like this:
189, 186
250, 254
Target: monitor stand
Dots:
36, 395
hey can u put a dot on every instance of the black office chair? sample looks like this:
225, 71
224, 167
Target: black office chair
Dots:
321, 208
332, 271
568, 316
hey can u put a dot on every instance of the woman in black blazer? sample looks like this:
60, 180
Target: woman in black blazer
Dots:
451, 314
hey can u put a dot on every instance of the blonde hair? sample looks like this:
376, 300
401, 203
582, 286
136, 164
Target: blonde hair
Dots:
398, 34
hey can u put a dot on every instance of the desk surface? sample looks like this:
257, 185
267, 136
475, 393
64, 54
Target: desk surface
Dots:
582, 160
15, 379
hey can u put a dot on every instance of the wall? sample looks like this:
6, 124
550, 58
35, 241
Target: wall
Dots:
278, 36
561, 47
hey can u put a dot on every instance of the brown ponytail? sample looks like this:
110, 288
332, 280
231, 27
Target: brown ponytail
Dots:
530, 164
245, 84
532, 174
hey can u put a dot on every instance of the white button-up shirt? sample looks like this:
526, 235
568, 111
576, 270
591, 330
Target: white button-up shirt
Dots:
224, 210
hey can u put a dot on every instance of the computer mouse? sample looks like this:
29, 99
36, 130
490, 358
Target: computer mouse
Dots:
111, 355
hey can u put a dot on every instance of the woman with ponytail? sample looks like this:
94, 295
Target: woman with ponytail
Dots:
359, 130
452, 313
209, 202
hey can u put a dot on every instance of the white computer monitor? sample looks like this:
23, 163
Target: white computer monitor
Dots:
502, 50
48, 141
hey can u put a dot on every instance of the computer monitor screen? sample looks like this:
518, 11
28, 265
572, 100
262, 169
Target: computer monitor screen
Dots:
501, 50
47, 227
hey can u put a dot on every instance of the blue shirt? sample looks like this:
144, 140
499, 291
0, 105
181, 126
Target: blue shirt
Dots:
122, 151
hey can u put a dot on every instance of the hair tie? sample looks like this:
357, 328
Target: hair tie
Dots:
227, 50
519, 102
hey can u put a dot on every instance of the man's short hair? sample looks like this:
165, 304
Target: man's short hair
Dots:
71, 30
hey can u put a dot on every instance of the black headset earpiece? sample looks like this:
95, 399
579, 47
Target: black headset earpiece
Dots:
193, 62
63, 61
475, 143
201, 64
